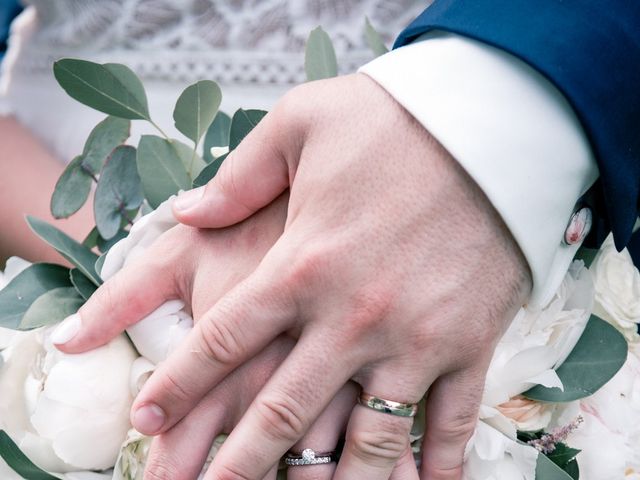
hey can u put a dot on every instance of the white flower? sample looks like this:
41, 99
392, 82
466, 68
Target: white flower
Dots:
217, 152
14, 266
66, 412
156, 335
527, 415
538, 342
610, 434
617, 283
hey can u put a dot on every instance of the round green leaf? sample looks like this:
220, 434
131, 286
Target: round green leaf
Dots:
103, 139
547, 470
161, 169
192, 162
76, 253
242, 123
217, 135
596, 358
119, 189
71, 190
51, 308
196, 108
110, 88
26, 287
320, 56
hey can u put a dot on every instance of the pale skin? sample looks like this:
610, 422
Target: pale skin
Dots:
29, 174
393, 270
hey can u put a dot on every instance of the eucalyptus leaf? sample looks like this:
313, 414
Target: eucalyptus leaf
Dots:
547, 470
209, 172
190, 158
19, 462
599, 354
76, 253
81, 283
242, 123
217, 135
161, 170
587, 255
103, 139
110, 88
91, 240
51, 308
320, 57
119, 189
26, 287
105, 245
562, 455
374, 39
99, 263
196, 108
573, 470
72, 190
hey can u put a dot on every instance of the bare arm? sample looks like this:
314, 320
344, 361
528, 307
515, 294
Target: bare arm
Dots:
28, 174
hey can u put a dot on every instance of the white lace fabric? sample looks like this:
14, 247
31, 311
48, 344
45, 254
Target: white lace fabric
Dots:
230, 41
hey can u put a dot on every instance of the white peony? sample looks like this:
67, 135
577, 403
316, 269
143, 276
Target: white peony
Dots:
156, 335
66, 412
534, 345
617, 289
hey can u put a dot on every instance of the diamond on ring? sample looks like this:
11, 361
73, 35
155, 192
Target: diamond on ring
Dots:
308, 457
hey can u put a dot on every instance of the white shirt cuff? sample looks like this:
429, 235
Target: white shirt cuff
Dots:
512, 131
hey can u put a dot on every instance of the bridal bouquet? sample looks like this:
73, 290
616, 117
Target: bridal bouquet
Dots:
562, 395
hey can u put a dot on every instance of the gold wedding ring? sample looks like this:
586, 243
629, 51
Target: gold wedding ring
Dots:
388, 406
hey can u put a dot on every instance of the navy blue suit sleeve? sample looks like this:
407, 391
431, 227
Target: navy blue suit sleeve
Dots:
590, 50
9, 9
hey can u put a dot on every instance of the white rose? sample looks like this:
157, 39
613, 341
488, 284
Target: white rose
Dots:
156, 335
617, 284
66, 412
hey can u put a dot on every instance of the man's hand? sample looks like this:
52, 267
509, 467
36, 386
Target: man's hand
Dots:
393, 269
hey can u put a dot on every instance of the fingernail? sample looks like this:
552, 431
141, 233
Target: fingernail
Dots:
148, 419
68, 329
188, 199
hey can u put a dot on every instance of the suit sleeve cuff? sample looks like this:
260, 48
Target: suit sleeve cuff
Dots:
510, 129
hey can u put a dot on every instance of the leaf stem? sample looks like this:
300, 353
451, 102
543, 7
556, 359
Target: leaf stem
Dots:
157, 127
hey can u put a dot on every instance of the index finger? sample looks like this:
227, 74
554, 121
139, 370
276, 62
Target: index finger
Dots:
240, 325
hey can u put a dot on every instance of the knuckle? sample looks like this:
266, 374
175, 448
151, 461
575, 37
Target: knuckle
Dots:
226, 472
456, 431
281, 418
174, 389
162, 468
385, 446
437, 473
310, 265
220, 343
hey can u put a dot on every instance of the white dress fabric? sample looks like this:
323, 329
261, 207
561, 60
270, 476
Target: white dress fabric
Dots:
253, 48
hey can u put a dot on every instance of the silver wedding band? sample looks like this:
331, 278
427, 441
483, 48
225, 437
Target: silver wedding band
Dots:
309, 457
388, 406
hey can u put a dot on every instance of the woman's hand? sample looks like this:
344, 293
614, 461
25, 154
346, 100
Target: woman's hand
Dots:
393, 269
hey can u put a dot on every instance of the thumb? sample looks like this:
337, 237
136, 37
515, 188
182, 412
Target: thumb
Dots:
251, 177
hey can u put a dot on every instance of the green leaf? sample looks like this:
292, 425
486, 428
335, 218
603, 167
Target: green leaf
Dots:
103, 139
71, 190
105, 245
51, 308
596, 358
190, 159
547, 470
74, 252
26, 287
81, 283
587, 255
99, 263
161, 170
320, 56
119, 189
91, 241
18, 461
562, 455
209, 172
242, 123
217, 135
573, 470
374, 39
110, 88
196, 108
